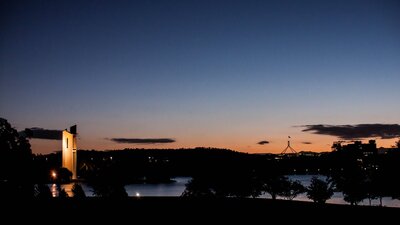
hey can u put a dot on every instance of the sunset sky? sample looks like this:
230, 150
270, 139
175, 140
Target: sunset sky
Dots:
226, 74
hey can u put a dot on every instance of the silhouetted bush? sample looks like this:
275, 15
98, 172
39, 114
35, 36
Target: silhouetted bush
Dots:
77, 191
109, 190
62, 193
42, 191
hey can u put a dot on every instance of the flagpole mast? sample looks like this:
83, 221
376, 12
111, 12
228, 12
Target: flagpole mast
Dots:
288, 147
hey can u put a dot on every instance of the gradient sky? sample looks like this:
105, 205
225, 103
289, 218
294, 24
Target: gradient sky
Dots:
205, 73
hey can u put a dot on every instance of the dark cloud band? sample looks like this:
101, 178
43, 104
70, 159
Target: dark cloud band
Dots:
41, 133
143, 140
263, 142
357, 131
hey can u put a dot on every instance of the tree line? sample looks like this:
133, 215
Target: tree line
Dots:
214, 172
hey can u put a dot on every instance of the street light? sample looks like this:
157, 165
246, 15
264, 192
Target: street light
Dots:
53, 174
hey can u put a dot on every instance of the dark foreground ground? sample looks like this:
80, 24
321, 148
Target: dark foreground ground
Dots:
175, 210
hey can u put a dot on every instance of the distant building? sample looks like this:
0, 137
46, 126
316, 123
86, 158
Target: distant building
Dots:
365, 149
69, 153
309, 153
382, 150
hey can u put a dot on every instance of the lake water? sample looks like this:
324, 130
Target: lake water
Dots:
176, 188
337, 197
169, 189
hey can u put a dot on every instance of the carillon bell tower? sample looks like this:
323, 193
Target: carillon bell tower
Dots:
69, 150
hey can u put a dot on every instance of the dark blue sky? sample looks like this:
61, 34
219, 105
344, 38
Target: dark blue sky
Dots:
206, 73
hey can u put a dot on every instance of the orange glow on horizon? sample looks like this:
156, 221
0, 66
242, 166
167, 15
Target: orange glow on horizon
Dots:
275, 145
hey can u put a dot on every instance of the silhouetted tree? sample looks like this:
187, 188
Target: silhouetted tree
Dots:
319, 191
15, 162
235, 182
353, 185
197, 187
398, 144
276, 185
42, 191
291, 189
111, 190
395, 191
77, 191
392, 181
375, 186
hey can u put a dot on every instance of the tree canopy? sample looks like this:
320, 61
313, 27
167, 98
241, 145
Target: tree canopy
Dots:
319, 190
15, 163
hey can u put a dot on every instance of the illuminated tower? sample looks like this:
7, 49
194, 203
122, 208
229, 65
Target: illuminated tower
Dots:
69, 150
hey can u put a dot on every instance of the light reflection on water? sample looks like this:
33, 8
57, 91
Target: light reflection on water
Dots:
176, 188
54, 190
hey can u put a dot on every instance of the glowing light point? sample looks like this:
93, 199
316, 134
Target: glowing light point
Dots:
137, 194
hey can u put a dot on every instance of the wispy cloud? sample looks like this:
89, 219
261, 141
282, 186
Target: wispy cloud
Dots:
41, 133
306, 143
357, 131
263, 142
142, 140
